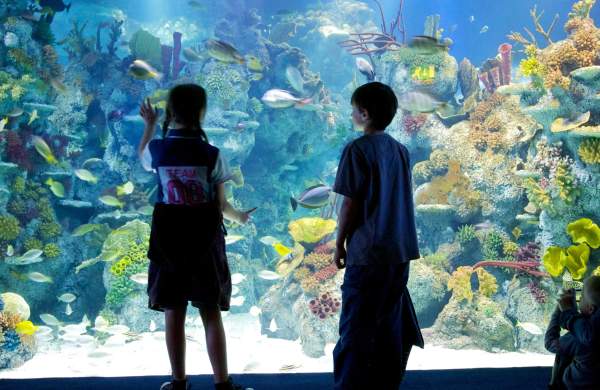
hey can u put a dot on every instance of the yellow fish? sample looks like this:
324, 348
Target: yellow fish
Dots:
26, 327
253, 63
517, 232
86, 175
33, 117
281, 249
3, 124
110, 200
56, 187
125, 189
43, 149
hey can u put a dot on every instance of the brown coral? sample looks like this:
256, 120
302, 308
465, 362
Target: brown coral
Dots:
9, 320
326, 273
301, 273
492, 123
318, 260
310, 285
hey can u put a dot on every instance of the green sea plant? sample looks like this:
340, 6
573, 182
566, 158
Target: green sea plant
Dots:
466, 234
9, 227
51, 250
145, 46
565, 182
538, 195
32, 243
589, 151
49, 230
493, 244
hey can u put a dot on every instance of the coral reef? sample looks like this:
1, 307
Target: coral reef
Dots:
324, 305
589, 151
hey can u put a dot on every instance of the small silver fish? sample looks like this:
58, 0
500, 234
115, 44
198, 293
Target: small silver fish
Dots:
68, 309
67, 298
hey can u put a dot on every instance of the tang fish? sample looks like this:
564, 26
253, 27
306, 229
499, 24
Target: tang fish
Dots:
67, 298
312, 198
50, 320
125, 189
110, 200
56, 187
15, 112
365, 68
84, 229
254, 64
268, 275
419, 102
39, 277
279, 98
141, 70
26, 327
191, 55
43, 149
295, 79
32, 117
426, 45
29, 257
223, 51
86, 175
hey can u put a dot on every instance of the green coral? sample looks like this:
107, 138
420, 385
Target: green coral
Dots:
32, 243
460, 284
51, 250
566, 184
538, 195
12, 90
49, 230
46, 211
510, 248
18, 185
9, 227
589, 151
145, 46
437, 261
21, 60
493, 244
488, 285
221, 82
120, 289
466, 234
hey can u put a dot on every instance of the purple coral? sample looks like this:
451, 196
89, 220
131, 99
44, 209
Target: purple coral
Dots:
166, 54
528, 252
539, 294
177, 64
324, 306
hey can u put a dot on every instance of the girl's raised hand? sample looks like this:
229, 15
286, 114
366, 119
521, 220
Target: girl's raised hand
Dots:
148, 113
245, 215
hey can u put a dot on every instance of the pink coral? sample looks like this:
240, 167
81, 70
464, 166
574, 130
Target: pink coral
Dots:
326, 273
413, 123
325, 305
325, 249
16, 151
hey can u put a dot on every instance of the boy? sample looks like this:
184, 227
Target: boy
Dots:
376, 240
577, 363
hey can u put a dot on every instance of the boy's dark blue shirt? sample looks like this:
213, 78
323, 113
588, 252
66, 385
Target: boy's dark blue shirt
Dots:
374, 171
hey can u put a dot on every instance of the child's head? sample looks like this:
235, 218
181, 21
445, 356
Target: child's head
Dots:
186, 105
374, 105
590, 296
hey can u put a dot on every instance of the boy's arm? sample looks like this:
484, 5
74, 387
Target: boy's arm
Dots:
581, 328
150, 117
230, 212
551, 339
346, 220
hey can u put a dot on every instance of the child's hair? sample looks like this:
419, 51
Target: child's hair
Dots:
592, 290
185, 104
379, 101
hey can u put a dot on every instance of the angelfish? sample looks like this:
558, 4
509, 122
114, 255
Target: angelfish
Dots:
365, 68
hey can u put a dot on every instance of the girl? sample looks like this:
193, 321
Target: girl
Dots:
187, 246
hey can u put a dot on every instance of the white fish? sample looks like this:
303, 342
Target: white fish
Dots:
152, 326
93, 160
85, 321
415, 101
39, 277
273, 326
143, 71
279, 98
530, 327
235, 290
117, 329
98, 354
10, 250
472, 18
67, 298
75, 329
268, 275
50, 320
29, 257
69, 337
255, 311
294, 77
238, 301
100, 323
141, 278
11, 39
233, 238
43, 337
365, 68
237, 278
269, 240
484, 29
68, 309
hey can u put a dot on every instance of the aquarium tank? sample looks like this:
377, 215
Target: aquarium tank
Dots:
504, 141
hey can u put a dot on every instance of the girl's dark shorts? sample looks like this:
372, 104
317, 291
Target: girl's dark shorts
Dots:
200, 274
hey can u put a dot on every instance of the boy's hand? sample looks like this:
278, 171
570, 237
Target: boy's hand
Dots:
148, 113
566, 300
340, 256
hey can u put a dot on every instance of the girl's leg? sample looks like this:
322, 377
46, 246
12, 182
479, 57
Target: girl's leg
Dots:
175, 337
215, 342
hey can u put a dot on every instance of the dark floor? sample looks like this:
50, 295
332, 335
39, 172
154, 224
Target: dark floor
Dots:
530, 378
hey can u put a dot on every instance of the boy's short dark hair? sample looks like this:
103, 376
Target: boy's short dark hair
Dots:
379, 101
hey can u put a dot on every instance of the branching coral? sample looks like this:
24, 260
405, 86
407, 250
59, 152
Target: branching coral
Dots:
528, 252
9, 227
493, 244
581, 9
466, 234
51, 250
539, 294
538, 194
589, 151
413, 123
566, 183
326, 273
460, 283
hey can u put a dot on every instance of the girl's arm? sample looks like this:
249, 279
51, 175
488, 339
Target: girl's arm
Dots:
150, 117
228, 210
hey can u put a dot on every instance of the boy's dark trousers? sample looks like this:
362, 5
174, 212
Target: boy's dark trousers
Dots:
561, 362
378, 328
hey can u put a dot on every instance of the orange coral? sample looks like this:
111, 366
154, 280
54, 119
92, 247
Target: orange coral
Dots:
326, 273
310, 285
318, 260
9, 320
492, 123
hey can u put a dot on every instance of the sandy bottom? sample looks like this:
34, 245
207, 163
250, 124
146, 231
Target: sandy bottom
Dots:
249, 352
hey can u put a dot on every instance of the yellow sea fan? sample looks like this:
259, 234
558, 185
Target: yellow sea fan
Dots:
460, 283
487, 282
554, 260
311, 230
584, 230
577, 259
